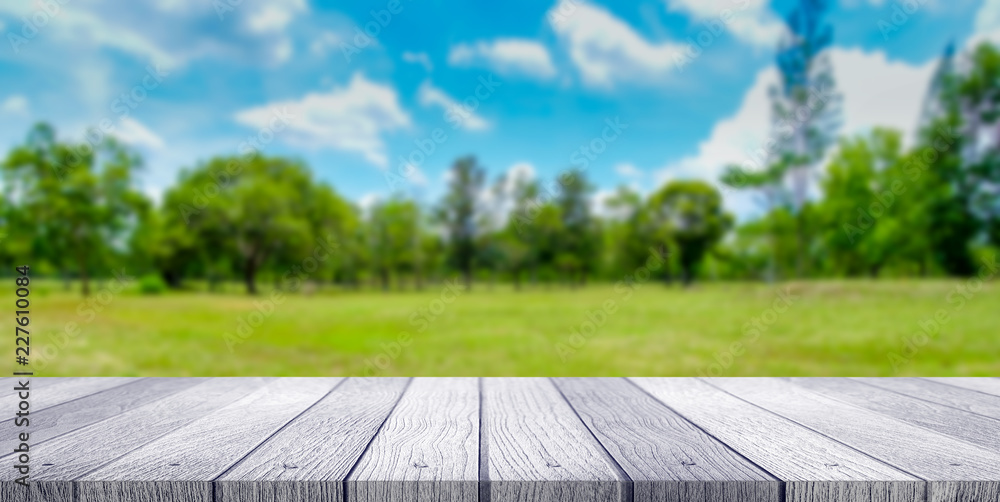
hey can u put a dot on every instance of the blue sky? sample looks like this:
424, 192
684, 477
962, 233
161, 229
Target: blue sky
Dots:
352, 106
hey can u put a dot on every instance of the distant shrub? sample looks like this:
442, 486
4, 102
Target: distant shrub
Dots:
152, 285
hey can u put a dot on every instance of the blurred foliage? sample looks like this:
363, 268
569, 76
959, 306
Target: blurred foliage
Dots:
881, 207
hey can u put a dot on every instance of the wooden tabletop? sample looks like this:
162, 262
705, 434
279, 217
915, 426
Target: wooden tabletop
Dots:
505, 439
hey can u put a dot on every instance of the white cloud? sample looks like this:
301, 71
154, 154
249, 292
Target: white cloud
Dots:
253, 32
429, 95
367, 202
420, 58
606, 50
15, 104
987, 23
627, 170
600, 205
506, 56
352, 119
81, 26
322, 44
133, 132
274, 16
751, 20
875, 90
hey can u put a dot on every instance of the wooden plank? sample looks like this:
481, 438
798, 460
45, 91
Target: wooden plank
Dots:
970, 427
66, 417
181, 465
38, 388
953, 469
428, 449
985, 385
940, 393
309, 459
36, 382
667, 458
63, 391
55, 463
535, 448
814, 468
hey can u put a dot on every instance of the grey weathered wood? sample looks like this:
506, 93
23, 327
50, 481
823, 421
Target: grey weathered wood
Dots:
428, 449
182, 464
69, 416
667, 458
309, 459
60, 460
970, 427
37, 382
9, 396
535, 447
985, 385
814, 467
270, 440
936, 392
951, 467
63, 391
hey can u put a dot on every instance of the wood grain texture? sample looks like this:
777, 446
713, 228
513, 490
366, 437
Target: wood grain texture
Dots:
936, 392
536, 448
309, 459
970, 427
428, 449
59, 461
667, 458
63, 391
509, 439
989, 386
67, 417
182, 464
9, 398
948, 465
814, 467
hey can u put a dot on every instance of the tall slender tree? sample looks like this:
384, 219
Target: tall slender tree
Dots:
458, 213
806, 105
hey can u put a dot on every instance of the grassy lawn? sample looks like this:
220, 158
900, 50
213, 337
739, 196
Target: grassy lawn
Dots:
831, 328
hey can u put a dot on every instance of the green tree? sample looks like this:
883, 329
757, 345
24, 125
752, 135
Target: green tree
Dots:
458, 214
251, 211
395, 239
767, 184
628, 234
978, 92
805, 104
691, 214
863, 199
80, 200
579, 247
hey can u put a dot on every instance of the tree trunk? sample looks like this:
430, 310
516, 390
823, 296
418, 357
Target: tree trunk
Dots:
687, 275
250, 277
84, 278
800, 258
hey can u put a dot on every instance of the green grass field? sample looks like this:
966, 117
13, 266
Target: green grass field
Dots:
832, 328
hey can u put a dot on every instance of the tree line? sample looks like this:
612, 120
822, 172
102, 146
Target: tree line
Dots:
830, 206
